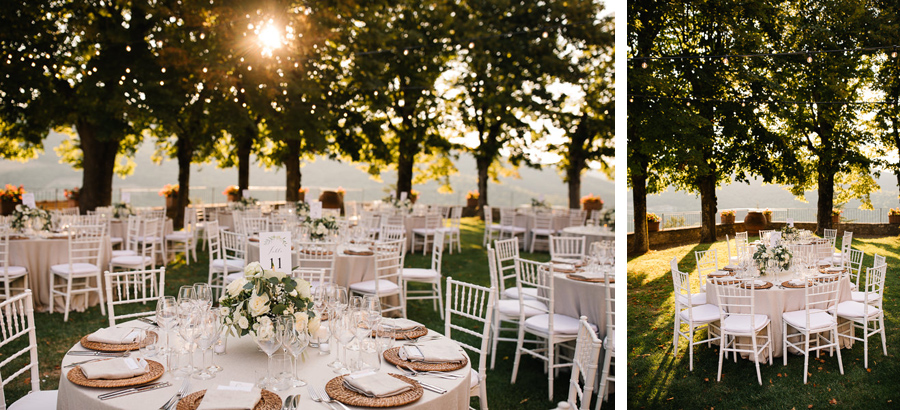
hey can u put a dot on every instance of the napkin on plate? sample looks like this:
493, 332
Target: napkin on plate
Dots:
796, 282
358, 249
566, 260
836, 269
230, 399
376, 384
114, 335
731, 267
432, 352
114, 369
563, 267
758, 283
400, 324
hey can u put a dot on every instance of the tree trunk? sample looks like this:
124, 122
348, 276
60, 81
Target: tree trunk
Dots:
405, 161
483, 164
708, 203
573, 175
641, 243
98, 165
577, 161
292, 168
182, 200
826, 197
245, 144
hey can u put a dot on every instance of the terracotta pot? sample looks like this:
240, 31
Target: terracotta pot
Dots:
413, 198
835, 219
170, 202
652, 226
72, 203
592, 206
7, 206
472, 203
754, 221
726, 219
768, 218
894, 219
232, 198
330, 200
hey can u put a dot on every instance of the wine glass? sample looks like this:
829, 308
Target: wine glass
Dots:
345, 333
209, 329
334, 324
166, 317
295, 341
264, 336
203, 296
185, 292
320, 299
372, 306
188, 329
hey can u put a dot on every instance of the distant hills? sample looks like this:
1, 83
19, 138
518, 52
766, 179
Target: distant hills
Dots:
46, 172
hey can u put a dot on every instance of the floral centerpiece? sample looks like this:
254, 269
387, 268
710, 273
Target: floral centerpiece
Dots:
302, 210
539, 204
169, 191
252, 302
320, 227
775, 257
590, 202
243, 204
24, 218
9, 197
790, 234
405, 205
232, 192
122, 210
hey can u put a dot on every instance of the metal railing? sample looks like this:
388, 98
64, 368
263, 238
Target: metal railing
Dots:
671, 220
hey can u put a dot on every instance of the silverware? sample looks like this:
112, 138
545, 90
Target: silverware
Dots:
315, 397
178, 395
93, 353
431, 387
81, 362
148, 321
324, 395
287, 403
133, 390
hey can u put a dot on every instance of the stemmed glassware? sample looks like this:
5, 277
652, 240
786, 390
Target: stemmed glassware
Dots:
265, 338
209, 329
337, 304
203, 296
185, 293
320, 304
148, 342
344, 331
295, 341
188, 329
167, 318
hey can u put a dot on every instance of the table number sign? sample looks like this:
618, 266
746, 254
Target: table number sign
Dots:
28, 200
403, 195
315, 209
275, 251
790, 222
126, 197
245, 194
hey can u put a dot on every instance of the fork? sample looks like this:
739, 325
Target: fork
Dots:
315, 397
325, 397
178, 395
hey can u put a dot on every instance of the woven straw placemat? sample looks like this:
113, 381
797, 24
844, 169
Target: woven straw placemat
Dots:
592, 280
825, 271
392, 355
317, 252
728, 281
336, 389
413, 333
156, 371
267, 401
109, 347
788, 284
17, 237
557, 269
358, 253
748, 285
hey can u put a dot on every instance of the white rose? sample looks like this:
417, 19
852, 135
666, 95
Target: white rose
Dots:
235, 288
243, 322
301, 320
253, 269
264, 329
259, 304
303, 288
321, 229
223, 311
273, 274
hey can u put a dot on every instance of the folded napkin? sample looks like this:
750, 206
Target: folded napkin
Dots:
758, 283
721, 273
563, 267
834, 269
566, 260
797, 282
114, 335
400, 324
731, 267
432, 352
374, 384
114, 369
229, 399
592, 273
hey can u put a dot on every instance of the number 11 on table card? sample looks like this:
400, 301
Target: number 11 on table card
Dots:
275, 250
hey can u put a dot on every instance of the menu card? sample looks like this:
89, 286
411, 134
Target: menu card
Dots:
403, 195
275, 251
245, 194
315, 209
28, 200
126, 197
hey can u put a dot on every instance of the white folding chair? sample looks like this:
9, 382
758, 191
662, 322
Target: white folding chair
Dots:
543, 228
846, 242
853, 263
83, 266
584, 367
315, 277
707, 262
471, 303
506, 252
732, 259
508, 227
131, 242
830, 234
17, 323
508, 310
158, 236
692, 310
576, 217
867, 316
186, 238
738, 318
130, 288
10, 273
554, 328
220, 265
816, 319
430, 276
451, 229
254, 225
567, 248
388, 270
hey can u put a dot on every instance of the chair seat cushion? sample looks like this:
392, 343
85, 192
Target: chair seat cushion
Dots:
510, 307
818, 319
179, 236
513, 229
231, 265
13, 272
147, 238
696, 299
231, 277
856, 310
123, 252
610, 341
424, 231
543, 232
861, 297
385, 287
77, 269
38, 400
562, 324
513, 293
418, 274
131, 261
744, 323
702, 314
115, 240
449, 229
473, 379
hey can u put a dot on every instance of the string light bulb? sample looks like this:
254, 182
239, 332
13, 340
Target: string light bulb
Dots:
644, 64
725, 61
809, 58
894, 53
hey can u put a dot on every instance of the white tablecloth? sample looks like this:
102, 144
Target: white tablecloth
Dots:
591, 233
526, 220
243, 363
348, 269
578, 298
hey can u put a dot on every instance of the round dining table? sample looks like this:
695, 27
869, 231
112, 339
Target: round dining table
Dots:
244, 362
576, 298
591, 234
348, 269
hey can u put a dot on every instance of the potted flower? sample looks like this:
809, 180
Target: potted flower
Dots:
768, 214
232, 193
301, 194
169, 192
413, 195
72, 197
836, 215
894, 216
472, 199
727, 217
591, 203
652, 222
9, 198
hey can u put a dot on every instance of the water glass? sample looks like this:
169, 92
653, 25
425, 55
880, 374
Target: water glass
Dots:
148, 342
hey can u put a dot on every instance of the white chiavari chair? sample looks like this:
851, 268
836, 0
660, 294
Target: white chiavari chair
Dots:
542, 228
452, 229
317, 255
85, 242
428, 233
691, 309
508, 227
507, 311
145, 251
853, 263
567, 249
315, 277
507, 251
584, 367
609, 343
490, 228
868, 317
10, 274
430, 276
17, 325
130, 288
846, 243
707, 262
227, 257
471, 303
388, 270
738, 318
815, 320
186, 238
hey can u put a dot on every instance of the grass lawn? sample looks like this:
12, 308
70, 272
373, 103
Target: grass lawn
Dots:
658, 378
55, 337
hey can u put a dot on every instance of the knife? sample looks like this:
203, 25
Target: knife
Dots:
148, 321
133, 390
92, 353
431, 387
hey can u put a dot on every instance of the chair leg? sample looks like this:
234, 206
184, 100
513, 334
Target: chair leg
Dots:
52, 288
677, 328
724, 343
550, 362
604, 375
881, 330
756, 359
495, 333
440, 300
482, 395
691, 348
68, 297
866, 343
783, 343
519, 343
805, 357
835, 340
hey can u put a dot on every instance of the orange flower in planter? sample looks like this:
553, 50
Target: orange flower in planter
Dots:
169, 191
231, 190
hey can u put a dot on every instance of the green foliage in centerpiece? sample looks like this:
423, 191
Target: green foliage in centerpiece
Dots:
777, 256
302, 210
243, 204
122, 210
790, 233
539, 204
405, 205
252, 302
23, 215
320, 227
